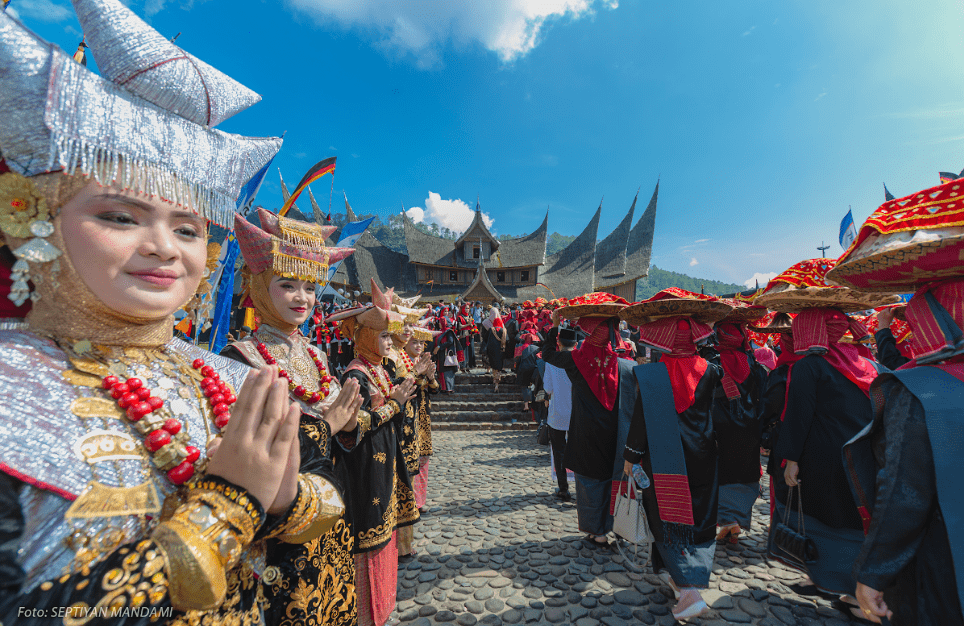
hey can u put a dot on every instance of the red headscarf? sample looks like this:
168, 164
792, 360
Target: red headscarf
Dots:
677, 337
766, 357
931, 341
787, 355
819, 330
597, 361
732, 345
497, 323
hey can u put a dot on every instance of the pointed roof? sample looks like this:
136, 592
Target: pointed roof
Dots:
482, 283
611, 251
639, 248
349, 214
571, 270
477, 228
525, 251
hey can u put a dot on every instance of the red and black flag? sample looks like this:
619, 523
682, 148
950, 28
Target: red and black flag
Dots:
317, 171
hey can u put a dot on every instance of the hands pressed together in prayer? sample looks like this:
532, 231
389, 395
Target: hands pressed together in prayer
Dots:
342, 414
404, 391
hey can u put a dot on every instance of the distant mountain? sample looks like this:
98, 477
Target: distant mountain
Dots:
661, 279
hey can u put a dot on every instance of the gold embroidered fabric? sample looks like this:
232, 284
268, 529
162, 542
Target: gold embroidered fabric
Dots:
318, 508
407, 509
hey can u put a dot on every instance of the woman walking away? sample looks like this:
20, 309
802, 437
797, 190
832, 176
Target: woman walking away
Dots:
494, 348
827, 404
672, 438
445, 353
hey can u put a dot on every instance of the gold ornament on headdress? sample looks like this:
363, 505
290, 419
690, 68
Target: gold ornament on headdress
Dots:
24, 214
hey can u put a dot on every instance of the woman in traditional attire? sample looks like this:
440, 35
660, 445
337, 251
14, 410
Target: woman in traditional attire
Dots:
110, 500
399, 367
603, 396
380, 497
905, 469
445, 351
671, 437
280, 275
427, 386
494, 348
736, 421
827, 403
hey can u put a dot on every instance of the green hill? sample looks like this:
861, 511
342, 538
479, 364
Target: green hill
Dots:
661, 279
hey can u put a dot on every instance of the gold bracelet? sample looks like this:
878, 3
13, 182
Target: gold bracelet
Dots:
322, 510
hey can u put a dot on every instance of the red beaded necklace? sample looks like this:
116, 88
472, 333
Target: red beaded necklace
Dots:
324, 380
380, 376
407, 360
164, 438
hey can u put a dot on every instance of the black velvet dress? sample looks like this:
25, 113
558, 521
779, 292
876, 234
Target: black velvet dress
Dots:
824, 410
906, 553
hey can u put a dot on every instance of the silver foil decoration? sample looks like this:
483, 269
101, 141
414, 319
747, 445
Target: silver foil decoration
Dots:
58, 115
133, 55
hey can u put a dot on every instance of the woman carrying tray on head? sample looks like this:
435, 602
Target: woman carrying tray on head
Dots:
380, 498
671, 437
110, 496
911, 565
284, 261
827, 403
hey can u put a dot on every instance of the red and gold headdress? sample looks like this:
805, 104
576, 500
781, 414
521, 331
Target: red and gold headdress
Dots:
596, 304
804, 286
674, 302
907, 242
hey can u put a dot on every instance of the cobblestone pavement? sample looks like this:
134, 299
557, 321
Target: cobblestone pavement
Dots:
496, 547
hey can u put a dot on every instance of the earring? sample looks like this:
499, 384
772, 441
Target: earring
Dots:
24, 213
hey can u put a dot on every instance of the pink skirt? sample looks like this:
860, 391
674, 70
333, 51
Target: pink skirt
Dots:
376, 580
420, 481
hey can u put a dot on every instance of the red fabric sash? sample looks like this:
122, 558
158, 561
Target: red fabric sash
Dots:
929, 339
677, 336
598, 362
731, 340
822, 328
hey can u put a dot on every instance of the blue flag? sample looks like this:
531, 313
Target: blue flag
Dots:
848, 232
349, 236
250, 190
222, 305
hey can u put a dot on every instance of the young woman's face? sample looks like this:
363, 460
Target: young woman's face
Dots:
141, 257
415, 347
406, 335
384, 343
293, 299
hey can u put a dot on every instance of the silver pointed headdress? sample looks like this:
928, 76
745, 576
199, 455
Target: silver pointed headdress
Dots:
145, 125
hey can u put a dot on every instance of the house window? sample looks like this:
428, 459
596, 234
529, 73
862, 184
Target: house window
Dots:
500, 277
525, 276
453, 277
476, 252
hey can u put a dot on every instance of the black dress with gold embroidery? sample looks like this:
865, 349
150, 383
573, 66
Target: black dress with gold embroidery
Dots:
379, 489
406, 428
312, 583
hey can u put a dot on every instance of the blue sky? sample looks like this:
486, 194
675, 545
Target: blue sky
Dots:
764, 121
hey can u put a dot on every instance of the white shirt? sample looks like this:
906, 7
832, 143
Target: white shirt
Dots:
557, 383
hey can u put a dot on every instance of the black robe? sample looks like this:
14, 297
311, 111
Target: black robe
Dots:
774, 399
736, 424
906, 553
888, 354
593, 443
699, 452
824, 410
367, 471
325, 564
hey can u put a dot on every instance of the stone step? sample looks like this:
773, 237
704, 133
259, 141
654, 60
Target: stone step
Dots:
452, 406
508, 390
484, 426
480, 415
483, 379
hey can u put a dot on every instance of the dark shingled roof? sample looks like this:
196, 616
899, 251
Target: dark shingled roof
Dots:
432, 250
640, 245
611, 252
569, 272
482, 278
524, 251
372, 259
427, 249
478, 223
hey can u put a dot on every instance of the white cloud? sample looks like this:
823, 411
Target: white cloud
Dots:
693, 262
701, 241
43, 11
762, 278
820, 96
454, 214
510, 28
752, 28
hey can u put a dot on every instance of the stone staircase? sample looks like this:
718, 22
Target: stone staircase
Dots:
475, 405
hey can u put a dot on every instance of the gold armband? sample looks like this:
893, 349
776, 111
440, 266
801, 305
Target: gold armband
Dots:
364, 422
203, 539
317, 509
388, 410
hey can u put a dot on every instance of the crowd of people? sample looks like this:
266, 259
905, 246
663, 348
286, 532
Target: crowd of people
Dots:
144, 479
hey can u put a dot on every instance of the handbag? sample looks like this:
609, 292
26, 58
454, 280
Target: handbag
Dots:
629, 519
542, 435
450, 360
794, 544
